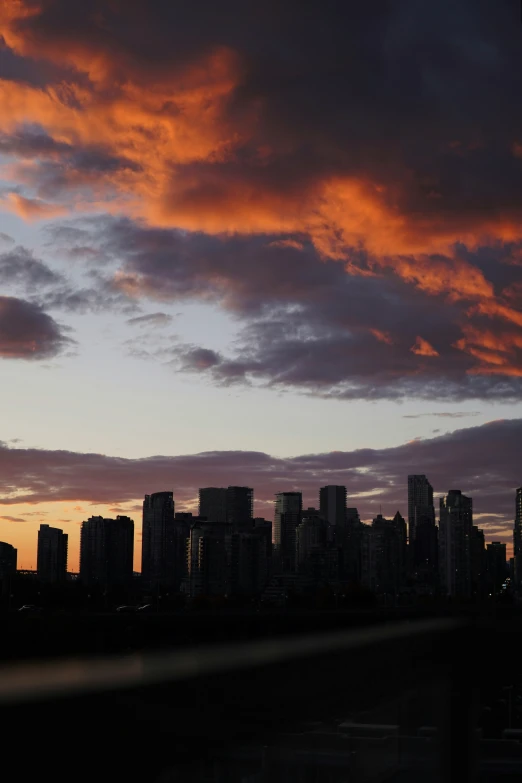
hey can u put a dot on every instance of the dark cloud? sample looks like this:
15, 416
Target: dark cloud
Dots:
349, 175
152, 319
306, 322
442, 415
12, 519
6, 238
482, 461
27, 332
19, 267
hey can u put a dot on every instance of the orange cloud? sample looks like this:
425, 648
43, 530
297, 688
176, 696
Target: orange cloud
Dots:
383, 337
31, 208
423, 348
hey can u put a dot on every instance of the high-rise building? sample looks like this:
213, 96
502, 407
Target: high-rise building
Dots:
496, 567
455, 532
288, 508
317, 556
161, 543
387, 554
311, 534
517, 539
240, 507
478, 563
332, 504
106, 551
251, 559
120, 551
232, 505
52, 555
8, 556
349, 540
213, 504
208, 559
420, 504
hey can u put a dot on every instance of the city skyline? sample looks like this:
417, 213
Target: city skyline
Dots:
257, 247
157, 515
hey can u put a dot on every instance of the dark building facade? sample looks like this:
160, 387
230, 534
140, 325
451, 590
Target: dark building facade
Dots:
240, 507
231, 505
8, 558
213, 504
332, 504
52, 555
420, 504
517, 540
478, 563
455, 533
163, 544
208, 559
317, 556
496, 567
288, 512
107, 551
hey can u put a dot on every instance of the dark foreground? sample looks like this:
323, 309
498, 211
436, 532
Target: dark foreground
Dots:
265, 697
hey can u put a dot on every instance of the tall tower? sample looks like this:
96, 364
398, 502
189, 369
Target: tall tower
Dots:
287, 517
517, 538
107, 551
420, 504
213, 504
455, 537
52, 554
240, 507
332, 504
159, 547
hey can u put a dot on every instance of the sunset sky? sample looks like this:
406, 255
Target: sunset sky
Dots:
265, 243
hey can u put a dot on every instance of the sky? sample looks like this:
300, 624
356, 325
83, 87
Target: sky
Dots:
274, 244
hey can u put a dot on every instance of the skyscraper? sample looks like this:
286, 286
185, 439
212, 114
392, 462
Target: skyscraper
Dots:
287, 517
420, 504
517, 540
478, 562
240, 507
52, 554
455, 534
208, 559
496, 566
8, 556
213, 504
160, 546
106, 551
232, 505
119, 534
332, 504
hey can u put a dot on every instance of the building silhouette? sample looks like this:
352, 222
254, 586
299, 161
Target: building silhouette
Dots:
517, 539
455, 532
478, 563
208, 559
496, 567
384, 555
420, 504
231, 505
213, 504
106, 551
163, 543
8, 558
240, 507
251, 558
332, 504
52, 555
317, 556
287, 517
